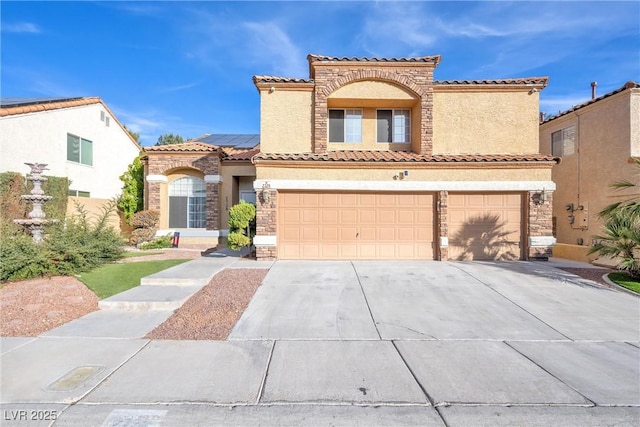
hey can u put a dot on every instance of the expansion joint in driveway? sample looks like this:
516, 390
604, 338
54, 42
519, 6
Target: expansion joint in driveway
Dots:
366, 301
550, 373
512, 302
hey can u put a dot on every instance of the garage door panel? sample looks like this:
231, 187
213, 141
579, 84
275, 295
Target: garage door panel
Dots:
348, 216
309, 216
365, 225
386, 217
485, 226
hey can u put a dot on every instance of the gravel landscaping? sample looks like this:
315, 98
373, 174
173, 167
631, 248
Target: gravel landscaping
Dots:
212, 312
31, 307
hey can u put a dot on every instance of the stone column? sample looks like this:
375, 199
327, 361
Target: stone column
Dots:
443, 225
540, 225
266, 225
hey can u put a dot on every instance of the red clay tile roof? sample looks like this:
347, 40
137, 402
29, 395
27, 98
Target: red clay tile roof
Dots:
435, 59
627, 85
521, 81
55, 104
233, 153
183, 148
10, 110
403, 156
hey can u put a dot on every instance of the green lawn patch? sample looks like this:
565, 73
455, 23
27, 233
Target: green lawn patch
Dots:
112, 279
625, 281
133, 254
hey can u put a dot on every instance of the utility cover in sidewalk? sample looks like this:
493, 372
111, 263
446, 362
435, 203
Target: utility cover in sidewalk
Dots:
75, 378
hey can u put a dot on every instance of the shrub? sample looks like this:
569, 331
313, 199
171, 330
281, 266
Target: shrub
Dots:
145, 225
75, 245
13, 185
241, 224
158, 243
132, 198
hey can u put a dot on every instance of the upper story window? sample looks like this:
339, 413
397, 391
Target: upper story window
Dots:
79, 150
345, 125
563, 142
393, 125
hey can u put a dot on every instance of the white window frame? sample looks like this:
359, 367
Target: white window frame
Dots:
352, 125
400, 129
563, 141
81, 142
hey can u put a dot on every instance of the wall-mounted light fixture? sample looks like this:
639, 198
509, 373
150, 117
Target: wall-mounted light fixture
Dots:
265, 194
541, 197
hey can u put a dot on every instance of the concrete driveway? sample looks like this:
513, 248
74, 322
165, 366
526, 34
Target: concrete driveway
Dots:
504, 342
351, 343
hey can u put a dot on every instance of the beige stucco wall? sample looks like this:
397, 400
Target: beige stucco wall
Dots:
285, 121
94, 208
487, 121
606, 134
371, 173
634, 115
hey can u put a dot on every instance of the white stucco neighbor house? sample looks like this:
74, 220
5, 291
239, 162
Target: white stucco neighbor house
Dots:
78, 138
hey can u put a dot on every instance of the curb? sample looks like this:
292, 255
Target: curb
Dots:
613, 284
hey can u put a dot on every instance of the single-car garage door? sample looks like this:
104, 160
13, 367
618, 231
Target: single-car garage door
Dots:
485, 226
350, 225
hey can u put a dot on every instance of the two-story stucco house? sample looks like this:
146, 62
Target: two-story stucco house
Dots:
597, 141
371, 158
78, 138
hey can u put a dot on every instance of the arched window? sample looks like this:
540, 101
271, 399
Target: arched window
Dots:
187, 203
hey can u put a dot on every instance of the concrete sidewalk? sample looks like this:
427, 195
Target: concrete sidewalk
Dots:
353, 343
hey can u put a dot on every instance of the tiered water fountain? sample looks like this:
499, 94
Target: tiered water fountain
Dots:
36, 221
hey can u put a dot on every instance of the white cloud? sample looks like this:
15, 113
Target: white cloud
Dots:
22, 27
179, 88
270, 45
217, 40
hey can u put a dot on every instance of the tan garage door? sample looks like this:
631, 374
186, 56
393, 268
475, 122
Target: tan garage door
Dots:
485, 226
368, 225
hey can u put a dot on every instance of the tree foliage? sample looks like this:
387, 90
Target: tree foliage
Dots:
241, 222
132, 198
169, 138
134, 135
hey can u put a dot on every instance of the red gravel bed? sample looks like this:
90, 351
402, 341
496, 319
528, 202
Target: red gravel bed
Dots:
31, 307
211, 313
594, 274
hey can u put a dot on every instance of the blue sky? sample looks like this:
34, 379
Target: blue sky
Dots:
186, 67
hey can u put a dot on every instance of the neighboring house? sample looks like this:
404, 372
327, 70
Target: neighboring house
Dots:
194, 184
78, 138
596, 141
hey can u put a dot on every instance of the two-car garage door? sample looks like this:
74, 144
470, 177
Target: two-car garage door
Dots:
385, 225
355, 225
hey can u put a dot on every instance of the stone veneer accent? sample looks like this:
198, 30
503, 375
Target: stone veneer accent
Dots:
266, 224
330, 76
540, 223
163, 163
442, 213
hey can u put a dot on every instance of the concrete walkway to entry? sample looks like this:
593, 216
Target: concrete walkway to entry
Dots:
360, 343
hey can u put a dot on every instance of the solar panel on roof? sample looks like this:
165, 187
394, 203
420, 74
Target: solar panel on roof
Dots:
232, 140
15, 101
